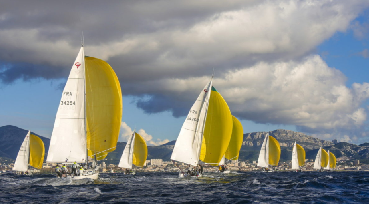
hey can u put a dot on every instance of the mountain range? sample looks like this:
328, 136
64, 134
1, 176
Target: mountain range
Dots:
11, 138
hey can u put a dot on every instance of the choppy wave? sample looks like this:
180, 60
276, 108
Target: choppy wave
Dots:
275, 187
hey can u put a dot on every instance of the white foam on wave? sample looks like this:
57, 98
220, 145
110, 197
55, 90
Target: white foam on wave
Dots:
97, 190
255, 181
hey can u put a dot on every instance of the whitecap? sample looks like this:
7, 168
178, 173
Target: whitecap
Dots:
97, 190
255, 181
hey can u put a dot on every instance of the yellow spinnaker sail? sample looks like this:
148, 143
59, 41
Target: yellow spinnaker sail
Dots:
324, 161
300, 154
332, 160
103, 107
37, 151
274, 151
235, 144
139, 151
218, 129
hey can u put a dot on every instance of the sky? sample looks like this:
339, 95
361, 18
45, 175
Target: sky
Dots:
299, 65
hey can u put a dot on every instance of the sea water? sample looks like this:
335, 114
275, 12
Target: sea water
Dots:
241, 187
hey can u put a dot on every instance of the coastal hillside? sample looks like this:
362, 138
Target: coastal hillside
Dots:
11, 138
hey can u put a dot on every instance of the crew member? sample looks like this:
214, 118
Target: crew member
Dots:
64, 169
58, 171
80, 171
74, 168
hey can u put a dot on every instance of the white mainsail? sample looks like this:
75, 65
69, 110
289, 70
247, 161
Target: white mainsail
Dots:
127, 156
295, 160
21, 163
69, 127
188, 144
318, 159
263, 160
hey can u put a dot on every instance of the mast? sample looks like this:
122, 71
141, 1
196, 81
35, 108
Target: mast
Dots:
84, 101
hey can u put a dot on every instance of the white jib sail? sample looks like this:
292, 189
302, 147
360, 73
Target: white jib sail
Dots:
127, 156
328, 167
188, 144
68, 139
21, 163
263, 160
318, 159
295, 160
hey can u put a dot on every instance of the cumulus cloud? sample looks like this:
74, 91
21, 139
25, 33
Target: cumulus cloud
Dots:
182, 41
305, 93
163, 54
127, 131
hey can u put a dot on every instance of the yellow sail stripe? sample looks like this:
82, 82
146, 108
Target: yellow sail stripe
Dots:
332, 160
218, 129
300, 154
37, 151
139, 151
235, 144
103, 107
274, 151
324, 161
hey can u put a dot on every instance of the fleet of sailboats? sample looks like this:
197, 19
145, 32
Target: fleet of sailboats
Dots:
31, 153
88, 120
135, 152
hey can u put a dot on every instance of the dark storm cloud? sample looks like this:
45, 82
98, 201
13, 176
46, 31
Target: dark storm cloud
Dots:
166, 51
10, 72
159, 103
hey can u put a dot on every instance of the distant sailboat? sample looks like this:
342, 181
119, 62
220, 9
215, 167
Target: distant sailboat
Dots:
135, 152
321, 159
298, 156
31, 152
206, 132
331, 161
269, 153
235, 144
88, 120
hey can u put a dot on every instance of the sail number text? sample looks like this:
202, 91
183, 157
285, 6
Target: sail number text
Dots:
67, 103
195, 119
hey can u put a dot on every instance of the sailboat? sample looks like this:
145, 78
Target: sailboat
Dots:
270, 153
331, 161
298, 157
235, 144
31, 152
321, 159
135, 152
88, 120
206, 132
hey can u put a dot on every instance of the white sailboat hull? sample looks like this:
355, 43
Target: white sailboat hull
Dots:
93, 176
